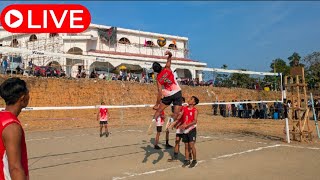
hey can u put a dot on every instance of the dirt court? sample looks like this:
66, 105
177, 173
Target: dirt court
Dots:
228, 148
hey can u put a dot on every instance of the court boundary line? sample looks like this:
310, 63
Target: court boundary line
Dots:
130, 175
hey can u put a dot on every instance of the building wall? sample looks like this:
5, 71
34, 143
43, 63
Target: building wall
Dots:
65, 42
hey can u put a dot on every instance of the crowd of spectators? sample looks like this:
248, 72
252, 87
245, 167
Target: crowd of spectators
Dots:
247, 110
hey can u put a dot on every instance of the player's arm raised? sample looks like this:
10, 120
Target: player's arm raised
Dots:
169, 58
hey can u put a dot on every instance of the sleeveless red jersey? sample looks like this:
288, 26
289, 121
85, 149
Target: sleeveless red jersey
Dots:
189, 117
7, 118
167, 79
103, 114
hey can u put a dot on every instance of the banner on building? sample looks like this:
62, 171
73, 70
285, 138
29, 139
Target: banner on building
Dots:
109, 36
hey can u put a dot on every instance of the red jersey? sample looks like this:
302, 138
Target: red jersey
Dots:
189, 117
103, 114
7, 118
181, 120
167, 79
161, 119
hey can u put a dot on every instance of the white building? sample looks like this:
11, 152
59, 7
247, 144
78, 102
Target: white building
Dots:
133, 47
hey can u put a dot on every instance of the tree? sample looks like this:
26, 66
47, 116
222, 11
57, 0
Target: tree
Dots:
294, 60
312, 69
223, 79
242, 80
224, 66
278, 66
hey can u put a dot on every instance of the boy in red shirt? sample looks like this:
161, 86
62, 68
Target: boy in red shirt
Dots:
103, 115
190, 116
13, 149
179, 133
168, 88
159, 122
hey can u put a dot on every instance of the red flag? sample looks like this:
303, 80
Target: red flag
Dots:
109, 32
145, 43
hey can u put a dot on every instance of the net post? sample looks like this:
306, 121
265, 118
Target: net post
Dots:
287, 130
314, 116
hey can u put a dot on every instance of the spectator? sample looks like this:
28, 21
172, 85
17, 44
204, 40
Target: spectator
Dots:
5, 65
240, 109
317, 108
92, 74
250, 110
102, 76
233, 108
228, 110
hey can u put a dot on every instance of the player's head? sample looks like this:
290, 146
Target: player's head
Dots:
156, 67
193, 101
102, 103
14, 91
183, 100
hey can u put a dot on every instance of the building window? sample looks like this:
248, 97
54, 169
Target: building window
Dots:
149, 44
172, 46
124, 41
53, 35
14, 43
33, 37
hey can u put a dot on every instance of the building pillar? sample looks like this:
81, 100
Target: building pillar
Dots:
199, 75
193, 73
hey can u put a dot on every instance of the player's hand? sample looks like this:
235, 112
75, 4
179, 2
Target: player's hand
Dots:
168, 53
155, 107
183, 127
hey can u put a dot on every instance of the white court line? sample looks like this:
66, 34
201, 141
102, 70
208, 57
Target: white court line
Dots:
78, 135
300, 147
129, 175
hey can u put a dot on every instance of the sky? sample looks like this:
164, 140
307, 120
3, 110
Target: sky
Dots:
248, 34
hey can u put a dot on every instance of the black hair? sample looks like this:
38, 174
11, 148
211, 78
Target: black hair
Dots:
156, 67
183, 99
12, 89
196, 100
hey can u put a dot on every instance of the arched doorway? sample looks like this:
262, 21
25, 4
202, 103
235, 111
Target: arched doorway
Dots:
124, 40
172, 46
33, 37
14, 43
51, 35
54, 64
149, 44
74, 66
184, 73
101, 67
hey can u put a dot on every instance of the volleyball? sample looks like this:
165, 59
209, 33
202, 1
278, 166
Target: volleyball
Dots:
162, 41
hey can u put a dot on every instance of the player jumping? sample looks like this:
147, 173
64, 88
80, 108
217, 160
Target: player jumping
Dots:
171, 92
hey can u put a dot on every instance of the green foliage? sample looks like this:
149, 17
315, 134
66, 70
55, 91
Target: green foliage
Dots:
312, 69
294, 60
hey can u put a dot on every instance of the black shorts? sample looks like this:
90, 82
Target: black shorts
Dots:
103, 122
179, 136
190, 137
159, 128
175, 99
